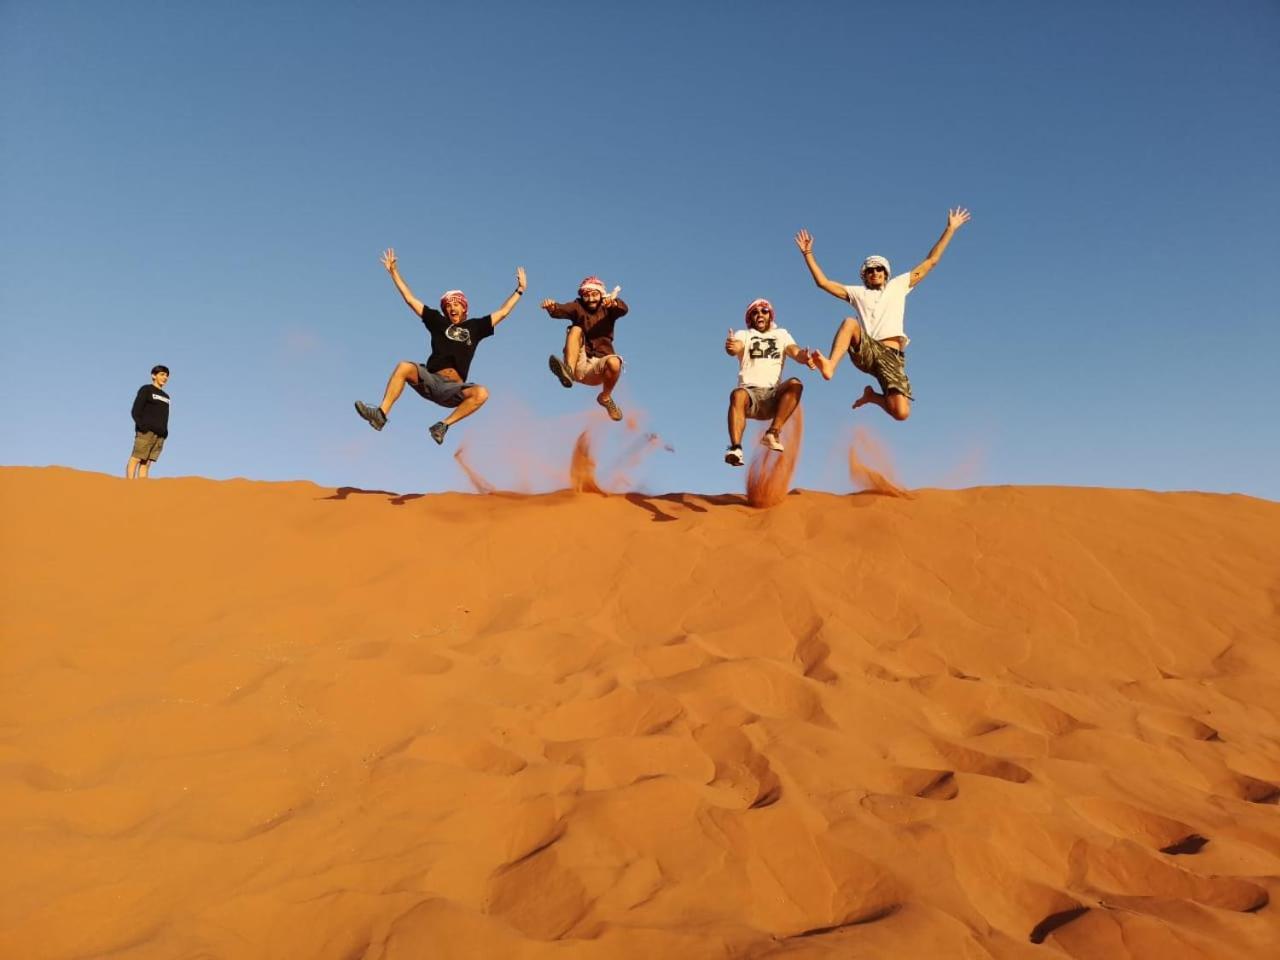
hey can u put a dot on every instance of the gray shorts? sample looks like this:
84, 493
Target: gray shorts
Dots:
762, 402
433, 387
147, 446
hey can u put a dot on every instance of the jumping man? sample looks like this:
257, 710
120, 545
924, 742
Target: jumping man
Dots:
589, 358
454, 338
875, 338
761, 350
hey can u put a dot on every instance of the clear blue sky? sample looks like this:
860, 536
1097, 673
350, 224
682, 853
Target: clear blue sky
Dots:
209, 185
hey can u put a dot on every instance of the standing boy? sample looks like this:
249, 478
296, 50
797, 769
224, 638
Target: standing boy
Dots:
761, 350
454, 339
150, 424
589, 357
875, 338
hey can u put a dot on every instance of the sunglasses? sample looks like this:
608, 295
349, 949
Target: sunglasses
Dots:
761, 312
876, 269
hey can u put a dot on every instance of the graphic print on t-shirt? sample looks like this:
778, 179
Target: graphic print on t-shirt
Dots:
763, 355
458, 333
764, 348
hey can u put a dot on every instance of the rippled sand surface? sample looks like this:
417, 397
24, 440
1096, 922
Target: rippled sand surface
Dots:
251, 720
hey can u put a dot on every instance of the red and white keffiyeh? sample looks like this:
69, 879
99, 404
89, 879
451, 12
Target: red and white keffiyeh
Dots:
453, 296
760, 302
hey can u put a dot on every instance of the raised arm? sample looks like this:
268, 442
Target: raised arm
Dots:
389, 261
733, 346
955, 220
804, 240
507, 305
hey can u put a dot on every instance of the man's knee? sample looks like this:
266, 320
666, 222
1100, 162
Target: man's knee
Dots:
407, 370
738, 398
476, 394
793, 386
613, 364
899, 406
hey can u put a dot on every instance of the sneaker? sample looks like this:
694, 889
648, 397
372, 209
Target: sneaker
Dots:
377, 419
733, 457
561, 371
438, 430
770, 440
615, 413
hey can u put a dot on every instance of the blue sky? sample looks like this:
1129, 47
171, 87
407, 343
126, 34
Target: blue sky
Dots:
210, 185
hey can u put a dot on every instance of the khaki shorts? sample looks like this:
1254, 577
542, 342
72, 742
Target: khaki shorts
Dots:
887, 364
590, 370
147, 446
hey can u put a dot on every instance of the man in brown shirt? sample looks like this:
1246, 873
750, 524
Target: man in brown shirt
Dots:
589, 357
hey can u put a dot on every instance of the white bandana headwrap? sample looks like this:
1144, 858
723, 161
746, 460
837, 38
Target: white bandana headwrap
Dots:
876, 261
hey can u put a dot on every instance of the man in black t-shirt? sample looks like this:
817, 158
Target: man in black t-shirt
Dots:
454, 339
150, 424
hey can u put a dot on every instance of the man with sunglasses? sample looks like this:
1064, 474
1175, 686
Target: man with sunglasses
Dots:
761, 350
875, 338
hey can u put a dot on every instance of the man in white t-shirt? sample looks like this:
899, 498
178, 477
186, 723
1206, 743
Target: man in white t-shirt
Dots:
875, 338
761, 350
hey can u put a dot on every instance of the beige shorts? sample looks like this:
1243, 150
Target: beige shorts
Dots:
147, 446
590, 370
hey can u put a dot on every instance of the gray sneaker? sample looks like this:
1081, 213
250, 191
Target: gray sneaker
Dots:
560, 370
438, 430
770, 440
733, 457
374, 415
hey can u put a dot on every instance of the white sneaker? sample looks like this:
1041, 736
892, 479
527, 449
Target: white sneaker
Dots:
770, 440
733, 457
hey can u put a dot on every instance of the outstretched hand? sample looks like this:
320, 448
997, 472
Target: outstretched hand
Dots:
804, 240
389, 260
729, 341
808, 357
957, 218
521, 280
548, 303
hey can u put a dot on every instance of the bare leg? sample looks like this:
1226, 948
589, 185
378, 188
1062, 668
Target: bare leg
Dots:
473, 399
572, 347
131, 468
894, 404
737, 416
788, 400
850, 332
144, 469
612, 371
405, 372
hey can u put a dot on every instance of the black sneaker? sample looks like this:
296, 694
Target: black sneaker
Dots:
733, 457
560, 370
438, 430
377, 419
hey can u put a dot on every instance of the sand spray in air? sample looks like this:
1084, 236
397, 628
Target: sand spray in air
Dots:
582, 464
769, 475
480, 484
870, 467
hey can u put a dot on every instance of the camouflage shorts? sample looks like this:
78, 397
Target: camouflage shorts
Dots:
887, 364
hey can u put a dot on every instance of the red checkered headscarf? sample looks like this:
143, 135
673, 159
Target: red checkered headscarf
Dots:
591, 283
760, 302
453, 296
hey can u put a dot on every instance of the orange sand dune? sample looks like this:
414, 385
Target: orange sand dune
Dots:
252, 720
